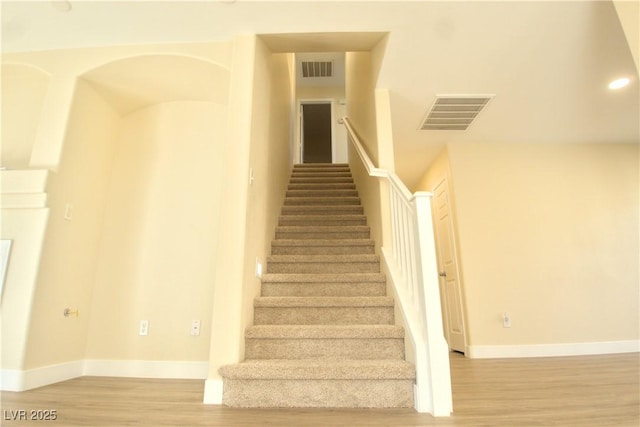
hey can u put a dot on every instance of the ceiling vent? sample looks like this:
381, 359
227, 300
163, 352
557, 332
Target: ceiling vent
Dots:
454, 112
317, 69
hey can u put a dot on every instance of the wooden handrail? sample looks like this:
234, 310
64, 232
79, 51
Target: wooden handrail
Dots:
413, 270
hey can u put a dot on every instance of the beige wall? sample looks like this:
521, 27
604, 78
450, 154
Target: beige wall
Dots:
360, 86
368, 110
227, 316
67, 269
26, 227
361, 111
628, 12
160, 235
23, 92
270, 161
261, 98
549, 234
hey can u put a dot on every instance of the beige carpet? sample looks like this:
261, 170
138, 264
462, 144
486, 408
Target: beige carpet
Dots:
324, 333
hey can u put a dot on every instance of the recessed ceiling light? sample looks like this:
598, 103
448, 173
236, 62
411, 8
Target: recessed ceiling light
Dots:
619, 83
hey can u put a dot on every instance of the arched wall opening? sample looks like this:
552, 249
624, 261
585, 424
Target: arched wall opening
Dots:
141, 168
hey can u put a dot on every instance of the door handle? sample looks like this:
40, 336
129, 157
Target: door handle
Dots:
442, 274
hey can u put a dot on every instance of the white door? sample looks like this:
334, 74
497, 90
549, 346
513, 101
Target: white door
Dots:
448, 267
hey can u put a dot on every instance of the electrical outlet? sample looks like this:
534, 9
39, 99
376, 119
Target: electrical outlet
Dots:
506, 320
144, 328
195, 327
68, 212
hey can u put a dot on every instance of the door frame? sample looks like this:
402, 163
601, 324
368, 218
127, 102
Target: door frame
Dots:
444, 181
300, 127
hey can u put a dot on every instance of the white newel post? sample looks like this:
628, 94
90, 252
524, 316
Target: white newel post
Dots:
437, 347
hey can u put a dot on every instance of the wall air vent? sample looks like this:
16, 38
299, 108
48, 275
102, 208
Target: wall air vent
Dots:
454, 112
317, 69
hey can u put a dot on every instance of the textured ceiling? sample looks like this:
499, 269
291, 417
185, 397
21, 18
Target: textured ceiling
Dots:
548, 63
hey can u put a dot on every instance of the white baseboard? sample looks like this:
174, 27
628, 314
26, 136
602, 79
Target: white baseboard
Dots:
213, 388
146, 369
11, 380
552, 350
16, 380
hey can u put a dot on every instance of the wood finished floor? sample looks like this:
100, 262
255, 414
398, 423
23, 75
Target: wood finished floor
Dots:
571, 391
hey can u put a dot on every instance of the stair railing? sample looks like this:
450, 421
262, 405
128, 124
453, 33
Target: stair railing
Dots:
411, 261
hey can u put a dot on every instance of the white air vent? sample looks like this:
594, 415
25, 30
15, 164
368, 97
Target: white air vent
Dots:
317, 68
454, 112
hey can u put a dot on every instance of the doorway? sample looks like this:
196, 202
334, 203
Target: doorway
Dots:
316, 135
450, 289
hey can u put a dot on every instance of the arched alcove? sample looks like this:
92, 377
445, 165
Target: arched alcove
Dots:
160, 226
133, 83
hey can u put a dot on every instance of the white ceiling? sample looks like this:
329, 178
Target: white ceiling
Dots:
547, 62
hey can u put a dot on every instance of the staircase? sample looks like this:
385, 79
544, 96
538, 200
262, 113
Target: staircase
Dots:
324, 333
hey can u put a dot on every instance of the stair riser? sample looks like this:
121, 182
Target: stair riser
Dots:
322, 235
316, 169
371, 348
324, 289
322, 210
323, 315
322, 393
319, 221
322, 193
320, 174
326, 186
321, 201
323, 250
321, 180
322, 267
321, 169
321, 166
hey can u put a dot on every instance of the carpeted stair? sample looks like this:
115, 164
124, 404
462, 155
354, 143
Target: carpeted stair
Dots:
324, 333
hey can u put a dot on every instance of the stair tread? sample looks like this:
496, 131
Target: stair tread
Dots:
321, 174
330, 217
316, 208
322, 278
324, 331
323, 228
321, 197
347, 258
320, 369
321, 180
316, 164
381, 301
321, 185
322, 242
321, 220
321, 168
307, 201
325, 192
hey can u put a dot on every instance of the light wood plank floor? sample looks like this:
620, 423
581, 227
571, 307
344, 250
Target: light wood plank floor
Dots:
571, 391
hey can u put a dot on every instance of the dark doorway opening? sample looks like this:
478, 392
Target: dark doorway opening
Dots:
316, 133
